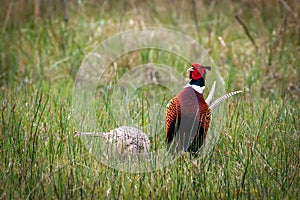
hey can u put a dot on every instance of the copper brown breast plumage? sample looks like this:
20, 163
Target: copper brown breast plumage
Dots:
188, 119
188, 115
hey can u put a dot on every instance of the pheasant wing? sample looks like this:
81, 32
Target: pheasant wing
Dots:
172, 116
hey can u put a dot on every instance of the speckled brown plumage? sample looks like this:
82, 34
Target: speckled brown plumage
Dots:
188, 117
124, 139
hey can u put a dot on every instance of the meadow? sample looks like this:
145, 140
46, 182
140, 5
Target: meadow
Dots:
256, 46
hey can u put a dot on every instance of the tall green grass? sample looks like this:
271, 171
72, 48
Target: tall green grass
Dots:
257, 155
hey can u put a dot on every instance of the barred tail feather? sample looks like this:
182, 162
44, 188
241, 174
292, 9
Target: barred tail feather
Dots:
218, 101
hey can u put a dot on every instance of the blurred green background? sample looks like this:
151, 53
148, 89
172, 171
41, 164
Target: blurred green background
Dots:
255, 44
47, 39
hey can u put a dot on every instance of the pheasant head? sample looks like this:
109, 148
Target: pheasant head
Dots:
197, 74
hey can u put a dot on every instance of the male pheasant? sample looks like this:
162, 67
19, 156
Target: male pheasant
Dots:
188, 115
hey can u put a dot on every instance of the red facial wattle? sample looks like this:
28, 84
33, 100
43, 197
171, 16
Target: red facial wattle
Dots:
198, 71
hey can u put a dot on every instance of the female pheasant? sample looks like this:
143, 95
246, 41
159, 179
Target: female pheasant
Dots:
123, 140
188, 115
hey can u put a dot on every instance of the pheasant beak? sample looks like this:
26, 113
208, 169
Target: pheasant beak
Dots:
190, 69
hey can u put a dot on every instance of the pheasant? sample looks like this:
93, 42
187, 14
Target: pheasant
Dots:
188, 114
188, 106
123, 140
